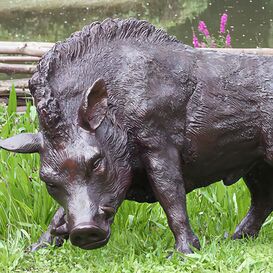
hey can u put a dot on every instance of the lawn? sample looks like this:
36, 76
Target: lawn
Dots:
140, 240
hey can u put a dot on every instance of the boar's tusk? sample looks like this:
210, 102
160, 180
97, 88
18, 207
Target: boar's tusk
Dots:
23, 143
60, 231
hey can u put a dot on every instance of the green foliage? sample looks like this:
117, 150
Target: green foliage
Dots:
12, 105
140, 238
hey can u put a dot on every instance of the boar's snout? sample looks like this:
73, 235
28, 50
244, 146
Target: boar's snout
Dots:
88, 236
90, 229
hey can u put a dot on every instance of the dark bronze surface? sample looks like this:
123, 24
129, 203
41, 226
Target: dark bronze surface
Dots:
126, 111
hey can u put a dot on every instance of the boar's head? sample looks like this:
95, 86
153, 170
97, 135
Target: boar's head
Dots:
87, 171
79, 90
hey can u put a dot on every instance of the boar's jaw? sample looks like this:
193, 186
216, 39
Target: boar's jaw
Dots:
96, 244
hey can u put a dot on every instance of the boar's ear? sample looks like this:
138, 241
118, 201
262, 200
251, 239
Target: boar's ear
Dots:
23, 143
94, 105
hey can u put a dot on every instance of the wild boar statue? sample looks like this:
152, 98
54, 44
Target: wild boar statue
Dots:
128, 112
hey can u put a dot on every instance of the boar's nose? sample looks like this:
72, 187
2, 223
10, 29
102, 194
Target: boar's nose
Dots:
88, 236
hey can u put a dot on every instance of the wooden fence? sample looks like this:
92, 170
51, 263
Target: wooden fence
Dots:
19, 59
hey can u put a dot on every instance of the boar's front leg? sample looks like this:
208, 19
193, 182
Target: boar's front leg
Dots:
47, 238
165, 176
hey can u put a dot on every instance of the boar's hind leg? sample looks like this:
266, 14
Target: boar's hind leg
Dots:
47, 238
260, 183
163, 168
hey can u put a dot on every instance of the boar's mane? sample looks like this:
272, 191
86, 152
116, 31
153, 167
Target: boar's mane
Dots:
91, 38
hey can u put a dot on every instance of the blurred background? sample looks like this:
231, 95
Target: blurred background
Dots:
250, 21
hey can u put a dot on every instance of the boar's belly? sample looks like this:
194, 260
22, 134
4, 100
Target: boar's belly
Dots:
222, 133
220, 151
211, 164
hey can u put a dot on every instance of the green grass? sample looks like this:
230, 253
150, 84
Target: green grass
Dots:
140, 240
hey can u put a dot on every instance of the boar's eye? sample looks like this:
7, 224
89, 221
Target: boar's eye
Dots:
97, 163
51, 186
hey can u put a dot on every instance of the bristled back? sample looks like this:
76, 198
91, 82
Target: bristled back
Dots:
76, 46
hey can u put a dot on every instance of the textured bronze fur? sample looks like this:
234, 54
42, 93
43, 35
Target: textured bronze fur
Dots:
126, 111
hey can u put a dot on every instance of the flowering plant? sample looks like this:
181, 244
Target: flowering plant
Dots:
208, 40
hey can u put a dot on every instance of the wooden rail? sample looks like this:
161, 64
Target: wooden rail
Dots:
25, 48
19, 59
257, 51
17, 68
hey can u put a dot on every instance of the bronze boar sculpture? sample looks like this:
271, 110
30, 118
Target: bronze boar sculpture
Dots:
128, 112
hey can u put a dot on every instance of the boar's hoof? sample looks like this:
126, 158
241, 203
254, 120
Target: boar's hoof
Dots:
56, 232
249, 227
241, 233
186, 246
58, 242
47, 240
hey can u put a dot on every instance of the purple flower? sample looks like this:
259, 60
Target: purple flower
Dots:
228, 40
195, 41
223, 23
203, 28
